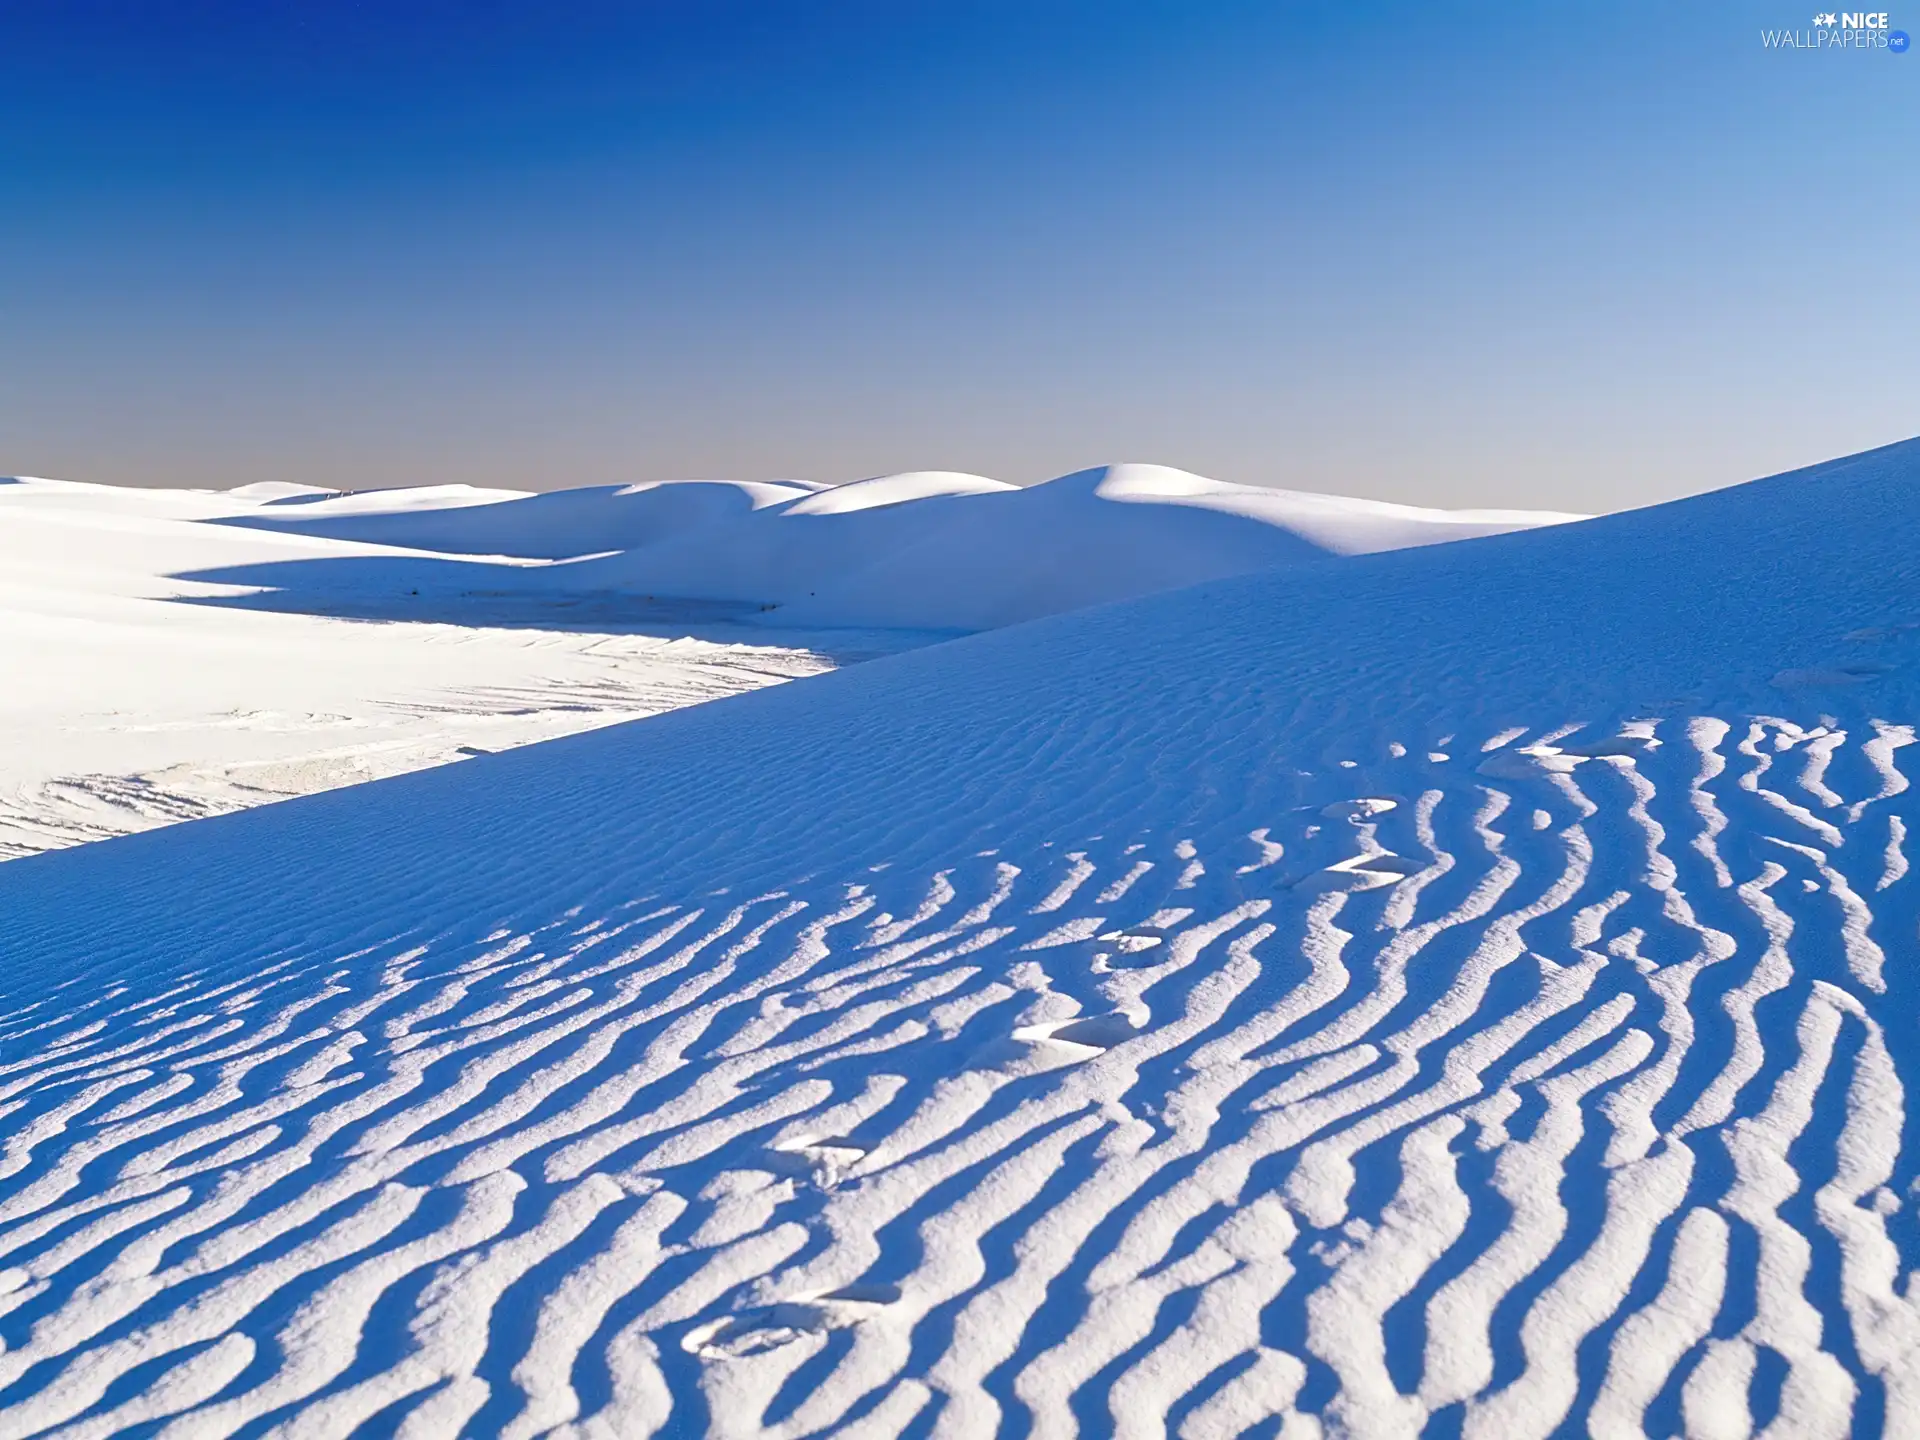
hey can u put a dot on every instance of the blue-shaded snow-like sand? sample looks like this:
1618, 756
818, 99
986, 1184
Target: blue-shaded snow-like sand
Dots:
1469, 988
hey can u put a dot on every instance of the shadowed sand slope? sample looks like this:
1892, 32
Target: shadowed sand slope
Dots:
1468, 988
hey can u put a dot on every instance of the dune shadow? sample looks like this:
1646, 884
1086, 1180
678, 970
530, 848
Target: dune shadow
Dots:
490, 594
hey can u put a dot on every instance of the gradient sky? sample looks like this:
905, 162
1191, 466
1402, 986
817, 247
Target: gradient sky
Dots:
1582, 256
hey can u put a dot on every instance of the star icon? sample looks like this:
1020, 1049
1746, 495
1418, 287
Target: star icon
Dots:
1827, 19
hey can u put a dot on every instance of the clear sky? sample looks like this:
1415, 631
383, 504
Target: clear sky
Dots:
1582, 256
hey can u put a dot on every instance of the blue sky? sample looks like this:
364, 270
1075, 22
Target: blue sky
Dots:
1581, 256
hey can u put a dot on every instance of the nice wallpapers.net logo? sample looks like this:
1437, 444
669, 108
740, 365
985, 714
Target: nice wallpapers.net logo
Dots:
1842, 30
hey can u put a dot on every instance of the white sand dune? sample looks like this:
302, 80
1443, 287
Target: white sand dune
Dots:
128, 709
930, 550
1455, 989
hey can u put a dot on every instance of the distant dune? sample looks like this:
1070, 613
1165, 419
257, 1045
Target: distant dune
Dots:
930, 550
